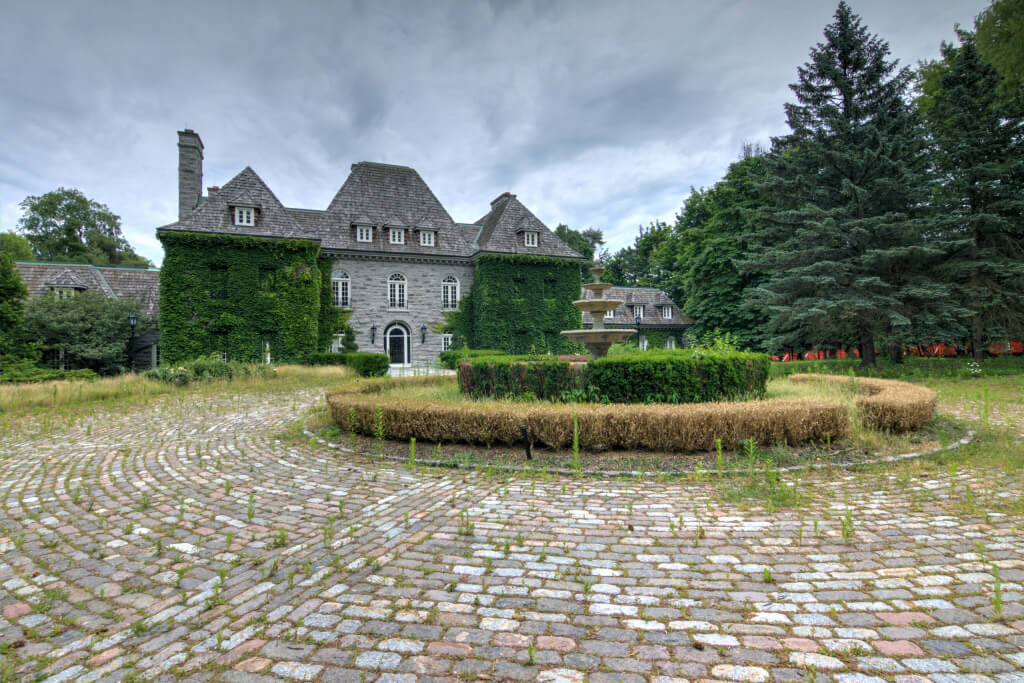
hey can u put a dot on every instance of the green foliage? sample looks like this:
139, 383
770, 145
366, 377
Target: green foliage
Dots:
91, 329
999, 28
331, 318
13, 295
237, 294
521, 376
25, 370
977, 152
366, 364
643, 264
520, 304
207, 369
686, 376
842, 241
451, 359
586, 243
65, 225
16, 246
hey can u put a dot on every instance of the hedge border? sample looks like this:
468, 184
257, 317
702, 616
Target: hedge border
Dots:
887, 404
673, 428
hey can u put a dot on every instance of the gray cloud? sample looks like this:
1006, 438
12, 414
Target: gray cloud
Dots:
598, 114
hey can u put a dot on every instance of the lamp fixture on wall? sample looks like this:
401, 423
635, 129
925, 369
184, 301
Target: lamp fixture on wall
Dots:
373, 335
423, 334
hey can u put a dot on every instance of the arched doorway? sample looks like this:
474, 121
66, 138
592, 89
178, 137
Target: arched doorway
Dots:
396, 344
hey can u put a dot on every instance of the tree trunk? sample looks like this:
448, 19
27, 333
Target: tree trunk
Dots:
976, 340
867, 348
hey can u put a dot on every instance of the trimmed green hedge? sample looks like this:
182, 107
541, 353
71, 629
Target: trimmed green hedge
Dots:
685, 376
521, 376
24, 370
366, 364
451, 359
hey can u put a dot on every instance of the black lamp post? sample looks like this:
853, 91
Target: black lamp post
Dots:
423, 334
132, 321
636, 319
373, 335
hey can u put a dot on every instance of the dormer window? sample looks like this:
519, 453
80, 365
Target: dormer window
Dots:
666, 312
427, 238
364, 233
530, 238
609, 314
64, 292
638, 311
245, 215
396, 236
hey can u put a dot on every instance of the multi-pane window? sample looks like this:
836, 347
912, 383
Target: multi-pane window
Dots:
63, 292
638, 311
446, 342
396, 291
642, 343
364, 233
339, 287
449, 293
666, 312
245, 215
670, 343
530, 238
609, 314
397, 236
427, 238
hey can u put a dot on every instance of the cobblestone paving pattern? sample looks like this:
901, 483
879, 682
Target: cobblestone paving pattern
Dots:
179, 544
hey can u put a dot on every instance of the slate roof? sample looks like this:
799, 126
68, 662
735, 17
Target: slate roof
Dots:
652, 300
142, 284
384, 196
503, 225
214, 214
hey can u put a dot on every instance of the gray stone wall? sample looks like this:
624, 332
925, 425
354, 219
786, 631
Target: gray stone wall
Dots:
368, 300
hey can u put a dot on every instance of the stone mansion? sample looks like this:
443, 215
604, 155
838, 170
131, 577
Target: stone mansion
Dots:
393, 254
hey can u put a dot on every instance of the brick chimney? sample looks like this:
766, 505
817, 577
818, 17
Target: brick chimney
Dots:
190, 171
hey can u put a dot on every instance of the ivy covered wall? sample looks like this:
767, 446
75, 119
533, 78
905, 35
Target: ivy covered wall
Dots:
520, 304
234, 294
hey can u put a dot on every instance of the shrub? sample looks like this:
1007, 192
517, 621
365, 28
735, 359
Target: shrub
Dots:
542, 377
685, 376
451, 359
693, 427
886, 404
25, 370
368, 364
206, 369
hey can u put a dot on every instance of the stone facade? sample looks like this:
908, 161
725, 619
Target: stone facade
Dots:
355, 230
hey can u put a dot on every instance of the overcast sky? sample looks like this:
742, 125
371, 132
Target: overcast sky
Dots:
596, 114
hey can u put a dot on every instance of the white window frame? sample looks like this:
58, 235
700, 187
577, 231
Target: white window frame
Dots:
666, 312
336, 343
608, 315
531, 238
340, 288
64, 292
396, 235
397, 292
427, 238
446, 341
245, 216
642, 343
364, 233
670, 343
638, 310
449, 293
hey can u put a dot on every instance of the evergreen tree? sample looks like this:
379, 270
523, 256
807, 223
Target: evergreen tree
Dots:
641, 265
13, 295
979, 155
1000, 40
840, 241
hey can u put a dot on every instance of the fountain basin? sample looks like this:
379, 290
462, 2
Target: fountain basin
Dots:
598, 341
597, 305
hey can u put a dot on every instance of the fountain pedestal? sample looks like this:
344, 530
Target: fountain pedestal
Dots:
598, 339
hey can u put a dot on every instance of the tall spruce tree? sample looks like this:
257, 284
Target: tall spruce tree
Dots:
840, 239
979, 156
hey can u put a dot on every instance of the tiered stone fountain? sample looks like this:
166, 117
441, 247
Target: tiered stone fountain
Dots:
598, 339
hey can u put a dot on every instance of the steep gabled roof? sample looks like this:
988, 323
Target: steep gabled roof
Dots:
384, 195
502, 226
142, 284
214, 215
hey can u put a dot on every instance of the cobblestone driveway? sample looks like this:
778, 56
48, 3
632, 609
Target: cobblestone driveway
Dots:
185, 541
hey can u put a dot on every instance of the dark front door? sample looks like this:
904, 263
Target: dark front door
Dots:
397, 341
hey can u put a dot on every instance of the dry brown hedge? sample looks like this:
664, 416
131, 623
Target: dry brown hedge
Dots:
659, 427
887, 404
